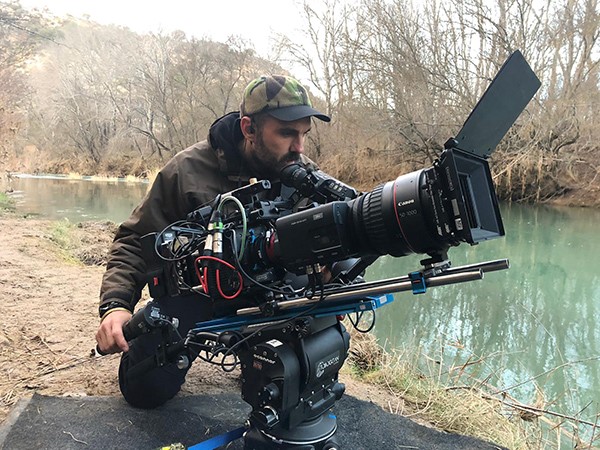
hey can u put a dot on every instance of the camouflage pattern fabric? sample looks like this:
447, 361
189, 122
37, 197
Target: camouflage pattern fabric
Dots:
273, 92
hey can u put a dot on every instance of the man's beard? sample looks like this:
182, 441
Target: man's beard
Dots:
268, 165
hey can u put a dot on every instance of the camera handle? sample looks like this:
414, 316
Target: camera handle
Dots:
151, 319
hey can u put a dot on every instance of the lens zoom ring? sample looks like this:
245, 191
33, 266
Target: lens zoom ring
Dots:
372, 216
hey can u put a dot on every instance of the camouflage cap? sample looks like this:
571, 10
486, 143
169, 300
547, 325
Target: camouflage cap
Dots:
280, 96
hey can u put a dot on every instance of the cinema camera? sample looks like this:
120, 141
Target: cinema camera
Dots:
260, 263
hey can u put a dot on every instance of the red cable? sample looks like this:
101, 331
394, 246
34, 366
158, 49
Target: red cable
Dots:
203, 277
222, 294
204, 282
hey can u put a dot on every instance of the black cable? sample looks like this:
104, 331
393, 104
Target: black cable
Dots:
231, 237
359, 316
213, 351
170, 324
300, 313
282, 323
10, 23
211, 355
228, 367
186, 248
231, 366
312, 284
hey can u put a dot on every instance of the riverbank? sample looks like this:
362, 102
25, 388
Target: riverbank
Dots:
49, 279
580, 194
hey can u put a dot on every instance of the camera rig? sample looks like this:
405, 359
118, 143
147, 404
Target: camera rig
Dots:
281, 264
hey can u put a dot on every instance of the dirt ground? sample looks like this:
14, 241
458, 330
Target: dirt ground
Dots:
48, 311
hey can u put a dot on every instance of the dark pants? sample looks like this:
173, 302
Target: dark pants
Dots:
155, 387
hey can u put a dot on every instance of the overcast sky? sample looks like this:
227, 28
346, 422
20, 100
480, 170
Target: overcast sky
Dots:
256, 21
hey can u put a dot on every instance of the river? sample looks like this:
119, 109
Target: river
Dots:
536, 325
532, 329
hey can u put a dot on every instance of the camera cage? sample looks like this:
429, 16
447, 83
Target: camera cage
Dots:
248, 252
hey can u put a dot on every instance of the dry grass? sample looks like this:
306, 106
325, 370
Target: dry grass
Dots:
363, 168
451, 401
453, 409
151, 175
84, 242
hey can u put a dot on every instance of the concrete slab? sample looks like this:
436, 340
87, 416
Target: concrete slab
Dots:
110, 423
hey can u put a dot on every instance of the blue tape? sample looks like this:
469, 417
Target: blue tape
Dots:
220, 440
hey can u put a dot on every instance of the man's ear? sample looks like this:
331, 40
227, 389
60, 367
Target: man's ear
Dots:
247, 127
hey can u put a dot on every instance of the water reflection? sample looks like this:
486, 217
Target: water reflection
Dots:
542, 314
76, 200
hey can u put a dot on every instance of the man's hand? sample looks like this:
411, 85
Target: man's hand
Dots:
110, 333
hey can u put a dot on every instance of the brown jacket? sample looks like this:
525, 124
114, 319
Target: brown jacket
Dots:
191, 178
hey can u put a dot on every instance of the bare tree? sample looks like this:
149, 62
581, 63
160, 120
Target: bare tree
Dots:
107, 97
416, 71
185, 83
80, 80
21, 32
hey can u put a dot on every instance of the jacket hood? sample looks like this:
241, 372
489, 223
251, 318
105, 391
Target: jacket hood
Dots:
224, 136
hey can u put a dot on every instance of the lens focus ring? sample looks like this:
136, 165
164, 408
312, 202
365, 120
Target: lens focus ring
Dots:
372, 219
